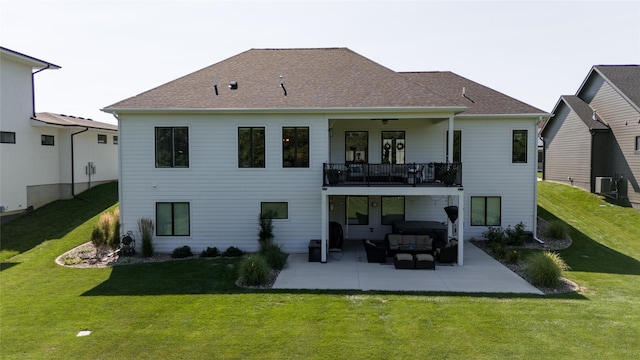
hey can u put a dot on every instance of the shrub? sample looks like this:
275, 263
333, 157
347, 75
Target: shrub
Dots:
265, 220
114, 243
544, 268
498, 250
494, 235
512, 256
254, 270
210, 252
556, 230
273, 254
98, 238
181, 252
515, 236
233, 251
146, 230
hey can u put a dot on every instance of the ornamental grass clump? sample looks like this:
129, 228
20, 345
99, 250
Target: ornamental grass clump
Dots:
146, 230
254, 270
544, 268
273, 254
556, 230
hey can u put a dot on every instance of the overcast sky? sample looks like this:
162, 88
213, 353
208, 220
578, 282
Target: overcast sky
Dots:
534, 51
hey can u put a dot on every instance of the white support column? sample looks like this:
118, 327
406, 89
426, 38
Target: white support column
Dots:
450, 142
325, 226
461, 229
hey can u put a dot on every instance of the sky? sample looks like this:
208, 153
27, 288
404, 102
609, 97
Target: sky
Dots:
534, 51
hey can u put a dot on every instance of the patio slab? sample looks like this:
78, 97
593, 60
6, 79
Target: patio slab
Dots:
349, 270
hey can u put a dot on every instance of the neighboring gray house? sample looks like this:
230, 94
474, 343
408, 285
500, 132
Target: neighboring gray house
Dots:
269, 129
593, 139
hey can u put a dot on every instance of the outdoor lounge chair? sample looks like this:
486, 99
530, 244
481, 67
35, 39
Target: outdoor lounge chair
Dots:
336, 237
375, 253
449, 253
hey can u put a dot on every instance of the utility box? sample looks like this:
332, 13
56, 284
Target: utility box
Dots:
314, 251
603, 185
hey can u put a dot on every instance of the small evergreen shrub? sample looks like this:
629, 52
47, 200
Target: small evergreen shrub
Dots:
512, 256
495, 235
556, 230
544, 268
273, 254
233, 251
98, 238
210, 252
265, 220
114, 242
254, 270
146, 230
181, 252
515, 236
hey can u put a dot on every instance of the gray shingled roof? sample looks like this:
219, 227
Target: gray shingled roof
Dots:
626, 78
582, 109
478, 98
318, 78
67, 120
313, 78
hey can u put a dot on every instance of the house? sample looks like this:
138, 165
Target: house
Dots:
45, 156
593, 139
317, 136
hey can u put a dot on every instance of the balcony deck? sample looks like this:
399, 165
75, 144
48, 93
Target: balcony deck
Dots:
414, 174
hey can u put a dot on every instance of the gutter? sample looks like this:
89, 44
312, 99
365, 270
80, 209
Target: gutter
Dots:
73, 183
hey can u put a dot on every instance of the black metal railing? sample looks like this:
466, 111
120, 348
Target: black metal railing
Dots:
413, 174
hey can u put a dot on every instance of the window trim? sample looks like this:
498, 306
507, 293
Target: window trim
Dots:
526, 146
43, 139
115, 139
484, 222
173, 222
637, 151
3, 134
173, 148
286, 204
251, 149
102, 138
297, 146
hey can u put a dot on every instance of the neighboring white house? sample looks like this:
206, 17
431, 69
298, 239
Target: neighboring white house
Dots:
43, 154
205, 154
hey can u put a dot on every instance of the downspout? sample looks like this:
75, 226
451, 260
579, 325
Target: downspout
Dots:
535, 193
73, 183
33, 89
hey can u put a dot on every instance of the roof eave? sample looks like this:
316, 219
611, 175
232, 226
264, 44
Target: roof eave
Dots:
40, 122
33, 62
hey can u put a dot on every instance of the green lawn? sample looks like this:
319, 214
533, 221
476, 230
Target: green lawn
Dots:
192, 309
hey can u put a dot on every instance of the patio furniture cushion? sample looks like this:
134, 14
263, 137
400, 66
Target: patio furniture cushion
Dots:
425, 261
375, 253
449, 253
404, 261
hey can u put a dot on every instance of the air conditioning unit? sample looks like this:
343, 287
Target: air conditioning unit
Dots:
603, 185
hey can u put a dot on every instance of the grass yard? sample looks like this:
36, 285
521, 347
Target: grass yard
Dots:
191, 309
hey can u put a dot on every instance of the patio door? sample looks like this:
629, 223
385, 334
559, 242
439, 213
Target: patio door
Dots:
393, 147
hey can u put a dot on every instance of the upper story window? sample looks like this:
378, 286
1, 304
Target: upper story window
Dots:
295, 147
7, 137
356, 145
637, 144
102, 139
251, 147
47, 140
115, 139
519, 147
172, 147
393, 147
457, 146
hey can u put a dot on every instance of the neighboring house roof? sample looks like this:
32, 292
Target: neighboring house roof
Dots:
327, 78
581, 109
70, 121
478, 98
624, 78
29, 60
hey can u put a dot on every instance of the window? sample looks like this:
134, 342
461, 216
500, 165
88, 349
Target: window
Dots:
47, 140
7, 137
356, 144
357, 210
102, 139
172, 147
637, 144
392, 209
251, 147
277, 210
457, 146
295, 147
393, 147
115, 139
486, 211
172, 219
519, 147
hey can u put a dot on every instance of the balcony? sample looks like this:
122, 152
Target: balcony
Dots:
414, 174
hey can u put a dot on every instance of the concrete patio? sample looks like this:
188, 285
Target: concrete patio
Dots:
349, 270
